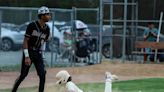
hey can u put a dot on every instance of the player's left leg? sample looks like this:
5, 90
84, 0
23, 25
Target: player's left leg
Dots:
40, 68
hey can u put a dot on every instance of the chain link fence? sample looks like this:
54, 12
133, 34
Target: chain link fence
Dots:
110, 37
126, 28
14, 21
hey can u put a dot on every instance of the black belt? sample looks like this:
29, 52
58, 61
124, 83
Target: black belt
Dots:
34, 49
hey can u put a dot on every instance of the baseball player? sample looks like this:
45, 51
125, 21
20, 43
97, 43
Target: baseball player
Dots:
37, 33
64, 77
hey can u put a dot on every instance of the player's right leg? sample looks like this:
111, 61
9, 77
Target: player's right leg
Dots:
23, 74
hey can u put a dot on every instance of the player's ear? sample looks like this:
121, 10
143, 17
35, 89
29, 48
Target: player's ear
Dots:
69, 79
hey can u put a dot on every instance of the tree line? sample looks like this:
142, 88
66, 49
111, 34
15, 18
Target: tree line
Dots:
146, 7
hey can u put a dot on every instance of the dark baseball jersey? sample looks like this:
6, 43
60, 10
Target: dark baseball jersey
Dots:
37, 35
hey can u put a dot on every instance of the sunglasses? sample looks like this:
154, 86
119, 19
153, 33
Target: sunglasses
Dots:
47, 14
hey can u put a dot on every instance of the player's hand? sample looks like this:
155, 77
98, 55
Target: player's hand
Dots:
27, 61
153, 34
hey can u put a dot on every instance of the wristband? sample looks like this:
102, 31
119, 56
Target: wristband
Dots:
26, 52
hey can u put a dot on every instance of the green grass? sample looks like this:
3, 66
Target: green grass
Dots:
141, 85
144, 85
28, 89
11, 68
7, 68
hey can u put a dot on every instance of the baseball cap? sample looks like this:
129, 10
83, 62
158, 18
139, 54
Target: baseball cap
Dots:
43, 10
80, 25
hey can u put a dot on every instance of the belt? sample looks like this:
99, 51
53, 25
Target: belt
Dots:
33, 48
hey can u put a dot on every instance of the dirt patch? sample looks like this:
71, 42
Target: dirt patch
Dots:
86, 74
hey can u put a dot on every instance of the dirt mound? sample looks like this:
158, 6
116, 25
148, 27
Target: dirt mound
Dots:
93, 73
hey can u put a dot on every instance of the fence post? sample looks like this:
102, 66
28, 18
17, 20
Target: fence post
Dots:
52, 53
100, 28
0, 29
159, 31
73, 29
124, 30
30, 15
111, 24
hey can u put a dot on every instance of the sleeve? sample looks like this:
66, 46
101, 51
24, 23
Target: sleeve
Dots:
29, 31
156, 31
145, 32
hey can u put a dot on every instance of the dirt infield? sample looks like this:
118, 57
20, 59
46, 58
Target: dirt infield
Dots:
86, 74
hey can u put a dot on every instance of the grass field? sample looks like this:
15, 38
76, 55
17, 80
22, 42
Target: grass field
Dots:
141, 85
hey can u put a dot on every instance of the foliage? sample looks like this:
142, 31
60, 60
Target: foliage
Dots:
144, 5
50, 3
